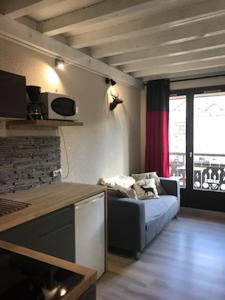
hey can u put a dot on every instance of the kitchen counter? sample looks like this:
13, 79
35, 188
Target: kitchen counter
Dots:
89, 274
45, 200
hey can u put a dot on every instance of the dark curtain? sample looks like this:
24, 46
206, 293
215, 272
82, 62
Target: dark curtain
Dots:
157, 122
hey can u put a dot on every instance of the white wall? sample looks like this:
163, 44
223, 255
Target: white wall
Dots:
109, 142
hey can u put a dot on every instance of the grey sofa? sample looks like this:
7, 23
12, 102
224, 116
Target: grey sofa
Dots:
132, 224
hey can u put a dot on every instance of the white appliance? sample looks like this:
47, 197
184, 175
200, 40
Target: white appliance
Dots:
90, 233
60, 107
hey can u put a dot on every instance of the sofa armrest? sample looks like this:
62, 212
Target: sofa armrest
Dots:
171, 186
126, 224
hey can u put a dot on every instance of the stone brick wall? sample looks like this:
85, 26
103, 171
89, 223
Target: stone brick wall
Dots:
27, 162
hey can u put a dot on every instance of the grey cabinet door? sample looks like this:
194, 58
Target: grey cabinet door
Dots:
23, 235
52, 234
58, 242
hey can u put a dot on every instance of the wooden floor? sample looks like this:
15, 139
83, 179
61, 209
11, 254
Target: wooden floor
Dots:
186, 261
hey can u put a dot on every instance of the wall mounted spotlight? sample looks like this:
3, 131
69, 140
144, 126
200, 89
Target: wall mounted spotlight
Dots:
59, 63
110, 81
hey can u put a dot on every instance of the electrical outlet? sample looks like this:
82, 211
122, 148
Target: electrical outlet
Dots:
57, 172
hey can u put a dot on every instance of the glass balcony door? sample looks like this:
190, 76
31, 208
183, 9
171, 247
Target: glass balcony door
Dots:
177, 138
209, 142
197, 146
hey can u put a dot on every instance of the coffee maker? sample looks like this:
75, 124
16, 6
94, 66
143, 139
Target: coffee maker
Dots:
36, 109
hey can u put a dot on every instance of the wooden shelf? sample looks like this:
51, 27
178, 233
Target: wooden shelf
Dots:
40, 123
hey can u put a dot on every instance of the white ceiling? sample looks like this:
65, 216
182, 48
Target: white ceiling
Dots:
146, 39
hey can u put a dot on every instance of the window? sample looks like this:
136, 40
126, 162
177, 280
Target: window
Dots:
209, 142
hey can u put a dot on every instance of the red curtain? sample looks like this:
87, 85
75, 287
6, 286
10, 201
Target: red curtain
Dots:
157, 123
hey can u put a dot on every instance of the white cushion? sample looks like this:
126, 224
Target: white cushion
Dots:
146, 189
119, 180
150, 175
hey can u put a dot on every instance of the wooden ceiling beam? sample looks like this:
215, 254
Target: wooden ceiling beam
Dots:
169, 51
135, 50
19, 8
178, 59
21, 34
184, 67
170, 18
106, 11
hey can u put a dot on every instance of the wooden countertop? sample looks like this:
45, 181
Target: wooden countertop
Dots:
89, 274
45, 200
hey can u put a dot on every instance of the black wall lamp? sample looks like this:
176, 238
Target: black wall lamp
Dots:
110, 81
116, 99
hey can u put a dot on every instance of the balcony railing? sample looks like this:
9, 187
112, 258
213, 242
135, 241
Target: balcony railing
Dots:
208, 174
